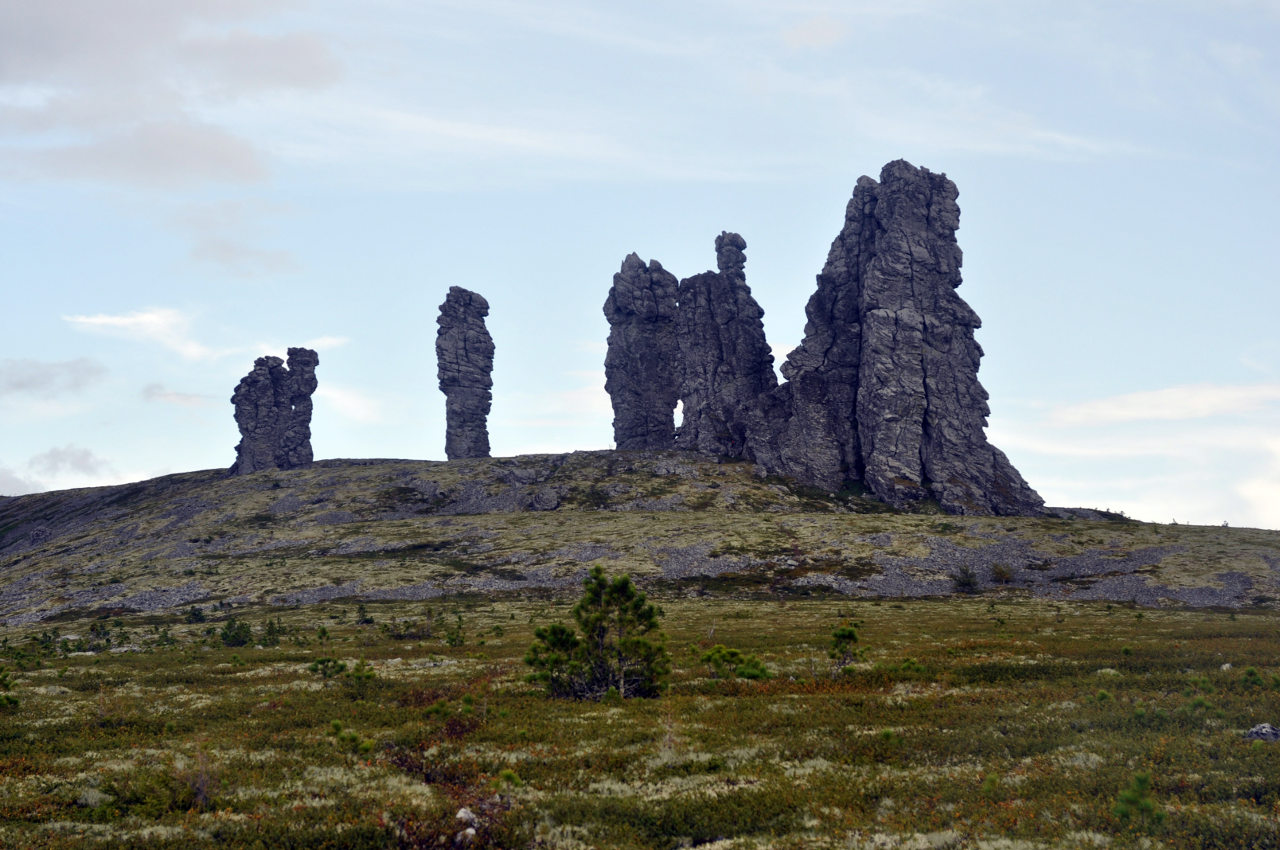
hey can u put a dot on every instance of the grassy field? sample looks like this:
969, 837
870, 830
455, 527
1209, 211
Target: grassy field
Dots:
967, 722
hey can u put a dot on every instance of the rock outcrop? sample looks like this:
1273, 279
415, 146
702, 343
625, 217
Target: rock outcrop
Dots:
273, 413
883, 392
884, 389
725, 363
464, 358
642, 364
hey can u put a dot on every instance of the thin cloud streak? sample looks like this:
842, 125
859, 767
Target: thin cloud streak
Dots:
163, 326
1194, 401
350, 403
47, 380
161, 393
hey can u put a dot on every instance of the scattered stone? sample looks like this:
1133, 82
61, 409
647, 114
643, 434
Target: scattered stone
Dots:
642, 364
1263, 732
273, 413
464, 356
726, 363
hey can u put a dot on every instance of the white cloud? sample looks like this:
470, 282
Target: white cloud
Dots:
240, 62
324, 343
122, 97
13, 484
566, 415
1196, 401
1198, 453
223, 233
1261, 492
818, 33
162, 325
69, 459
46, 380
157, 154
1238, 58
242, 259
350, 403
161, 393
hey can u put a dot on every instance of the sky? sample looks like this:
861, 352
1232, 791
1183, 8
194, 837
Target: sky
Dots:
186, 185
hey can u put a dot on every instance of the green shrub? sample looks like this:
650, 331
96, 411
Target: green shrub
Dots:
617, 645
7, 700
235, 633
726, 663
965, 580
327, 667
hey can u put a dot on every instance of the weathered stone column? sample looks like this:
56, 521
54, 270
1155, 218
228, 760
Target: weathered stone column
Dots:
464, 357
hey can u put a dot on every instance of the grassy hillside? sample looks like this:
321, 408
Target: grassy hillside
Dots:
333, 657
417, 530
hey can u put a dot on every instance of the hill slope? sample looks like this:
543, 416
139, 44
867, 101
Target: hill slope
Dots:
398, 529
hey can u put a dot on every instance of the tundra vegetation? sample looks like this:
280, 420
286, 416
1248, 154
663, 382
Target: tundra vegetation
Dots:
969, 721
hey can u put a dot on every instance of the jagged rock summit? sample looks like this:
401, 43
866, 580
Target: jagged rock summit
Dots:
273, 413
882, 393
641, 366
726, 363
464, 358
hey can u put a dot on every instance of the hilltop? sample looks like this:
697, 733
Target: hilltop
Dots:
412, 530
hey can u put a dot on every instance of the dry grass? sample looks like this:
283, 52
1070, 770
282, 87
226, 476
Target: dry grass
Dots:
966, 723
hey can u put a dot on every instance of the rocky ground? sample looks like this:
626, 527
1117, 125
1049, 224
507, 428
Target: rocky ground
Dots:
398, 529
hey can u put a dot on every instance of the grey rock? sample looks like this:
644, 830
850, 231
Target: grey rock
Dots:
273, 413
464, 357
884, 388
726, 364
1263, 732
642, 364
295, 443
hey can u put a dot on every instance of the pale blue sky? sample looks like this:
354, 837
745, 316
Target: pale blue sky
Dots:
188, 184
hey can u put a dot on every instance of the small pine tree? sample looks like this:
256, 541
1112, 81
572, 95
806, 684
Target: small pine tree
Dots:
617, 645
844, 647
1136, 803
235, 633
271, 633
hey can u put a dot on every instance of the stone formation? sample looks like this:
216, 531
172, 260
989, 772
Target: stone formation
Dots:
273, 413
883, 392
643, 356
464, 360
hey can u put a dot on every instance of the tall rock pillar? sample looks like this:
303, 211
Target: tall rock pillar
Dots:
890, 347
726, 363
464, 358
641, 367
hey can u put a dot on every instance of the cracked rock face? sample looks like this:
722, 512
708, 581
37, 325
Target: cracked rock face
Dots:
464, 357
726, 364
884, 388
642, 364
273, 413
